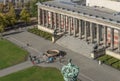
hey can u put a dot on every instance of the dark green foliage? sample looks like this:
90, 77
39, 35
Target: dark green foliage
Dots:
43, 34
109, 60
33, 7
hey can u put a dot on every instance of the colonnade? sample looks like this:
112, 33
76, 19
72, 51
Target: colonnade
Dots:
88, 31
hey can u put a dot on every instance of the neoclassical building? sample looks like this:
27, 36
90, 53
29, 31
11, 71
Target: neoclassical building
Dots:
83, 22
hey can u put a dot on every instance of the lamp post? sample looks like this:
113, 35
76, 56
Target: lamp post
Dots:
70, 71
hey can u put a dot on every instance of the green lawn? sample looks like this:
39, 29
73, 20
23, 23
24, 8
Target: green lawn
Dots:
35, 74
10, 54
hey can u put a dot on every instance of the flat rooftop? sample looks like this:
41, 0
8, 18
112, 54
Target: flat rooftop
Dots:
115, 0
103, 13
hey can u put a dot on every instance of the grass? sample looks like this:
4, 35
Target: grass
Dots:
43, 34
110, 61
10, 54
35, 74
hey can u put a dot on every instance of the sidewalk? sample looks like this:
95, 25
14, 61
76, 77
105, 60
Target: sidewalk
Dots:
89, 69
15, 68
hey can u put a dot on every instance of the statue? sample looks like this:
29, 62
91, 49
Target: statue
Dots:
70, 71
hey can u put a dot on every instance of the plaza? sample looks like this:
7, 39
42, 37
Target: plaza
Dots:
82, 27
90, 70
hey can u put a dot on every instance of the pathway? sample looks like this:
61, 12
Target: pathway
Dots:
15, 68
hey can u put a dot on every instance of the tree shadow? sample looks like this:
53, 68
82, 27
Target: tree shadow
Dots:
62, 53
16, 32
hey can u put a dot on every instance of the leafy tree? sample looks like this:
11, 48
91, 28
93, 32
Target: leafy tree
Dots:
11, 16
33, 7
2, 24
1, 7
25, 16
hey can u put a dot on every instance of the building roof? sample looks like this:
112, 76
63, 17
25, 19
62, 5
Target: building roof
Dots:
97, 12
115, 0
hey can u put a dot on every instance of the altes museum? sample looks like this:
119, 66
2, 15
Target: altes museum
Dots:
91, 23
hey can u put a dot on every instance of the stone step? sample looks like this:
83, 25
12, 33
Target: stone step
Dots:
75, 44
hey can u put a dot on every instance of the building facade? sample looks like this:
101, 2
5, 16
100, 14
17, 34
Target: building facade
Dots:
111, 4
81, 22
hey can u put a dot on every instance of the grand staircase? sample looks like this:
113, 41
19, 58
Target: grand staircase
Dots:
75, 44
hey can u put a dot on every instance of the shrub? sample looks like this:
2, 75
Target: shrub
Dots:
43, 34
110, 61
116, 65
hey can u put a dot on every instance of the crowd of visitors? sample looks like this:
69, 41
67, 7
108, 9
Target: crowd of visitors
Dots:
45, 58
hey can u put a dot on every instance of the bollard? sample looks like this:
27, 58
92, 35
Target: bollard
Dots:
99, 62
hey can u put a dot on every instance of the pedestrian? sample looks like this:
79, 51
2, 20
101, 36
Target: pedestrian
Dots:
45, 57
35, 58
33, 62
30, 58
60, 58
28, 44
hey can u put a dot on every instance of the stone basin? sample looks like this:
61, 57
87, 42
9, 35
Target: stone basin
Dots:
52, 53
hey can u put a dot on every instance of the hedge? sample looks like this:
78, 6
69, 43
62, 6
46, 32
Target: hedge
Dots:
43, 34
111, 61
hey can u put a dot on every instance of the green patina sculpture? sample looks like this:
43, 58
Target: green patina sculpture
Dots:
70, 71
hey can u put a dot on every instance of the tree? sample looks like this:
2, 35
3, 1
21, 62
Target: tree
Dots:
33, 7
25, 16
1, 7
2, 24
11, 16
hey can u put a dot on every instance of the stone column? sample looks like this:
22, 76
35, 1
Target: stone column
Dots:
59, 20
43, 20
105, 36
112, 38
85, 30
74, 26
39, 22
51, 14
119, 40
80, 29
69, 25
46, 18
64, 22
55, 27
43, 17
91, 33
98, 34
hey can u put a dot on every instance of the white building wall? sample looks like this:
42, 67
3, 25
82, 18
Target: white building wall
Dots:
104, 3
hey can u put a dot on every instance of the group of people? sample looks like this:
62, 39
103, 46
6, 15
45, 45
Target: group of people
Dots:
34, 59
45, 59
48, 59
